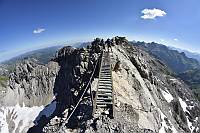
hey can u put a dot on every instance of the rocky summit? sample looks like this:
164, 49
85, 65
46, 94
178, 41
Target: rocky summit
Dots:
61, 95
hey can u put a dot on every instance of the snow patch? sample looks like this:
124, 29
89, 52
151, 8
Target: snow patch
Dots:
190, 125
164, 124
190, 107
168, 97
184, 107
196, 119
170, 111
22, 117
172, 79
183, 104
197, 129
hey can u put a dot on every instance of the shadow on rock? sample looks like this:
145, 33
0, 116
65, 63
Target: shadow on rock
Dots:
43, 118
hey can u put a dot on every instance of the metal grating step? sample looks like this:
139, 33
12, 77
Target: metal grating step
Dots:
105, 87
104, 95
107, 78
102, 98
105, 66
105, 72
102, 106
105, 82
98, 103
101, 75
108, 68
104, 90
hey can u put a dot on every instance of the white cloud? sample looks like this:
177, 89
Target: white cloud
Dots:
162, 40
175, 39
152, 13
39, 30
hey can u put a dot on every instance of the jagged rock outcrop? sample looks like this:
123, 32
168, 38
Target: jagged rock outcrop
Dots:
76, 66
3, 70
31, 84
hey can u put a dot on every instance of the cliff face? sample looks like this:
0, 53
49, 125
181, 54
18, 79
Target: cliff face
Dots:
28, 90
31, 84
147, 97
187, 69
160, 101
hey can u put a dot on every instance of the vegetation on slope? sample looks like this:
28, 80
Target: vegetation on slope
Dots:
3, 80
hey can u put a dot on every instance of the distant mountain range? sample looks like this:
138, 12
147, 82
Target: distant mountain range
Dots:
185, 64
177, 61
42, 56
193, 55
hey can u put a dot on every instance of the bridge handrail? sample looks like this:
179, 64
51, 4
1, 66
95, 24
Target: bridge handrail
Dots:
66, 121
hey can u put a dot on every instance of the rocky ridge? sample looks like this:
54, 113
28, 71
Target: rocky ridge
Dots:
147, 97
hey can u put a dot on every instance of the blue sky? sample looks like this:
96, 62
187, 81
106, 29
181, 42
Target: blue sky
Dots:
32, 24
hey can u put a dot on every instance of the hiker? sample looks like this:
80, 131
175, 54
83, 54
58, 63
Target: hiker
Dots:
109, 47
103, 44
113, 42
108, 42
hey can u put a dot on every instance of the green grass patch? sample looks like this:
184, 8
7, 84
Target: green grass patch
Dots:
3, 81
3, 78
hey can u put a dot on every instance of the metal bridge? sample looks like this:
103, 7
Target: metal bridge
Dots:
104, 99
103, 102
